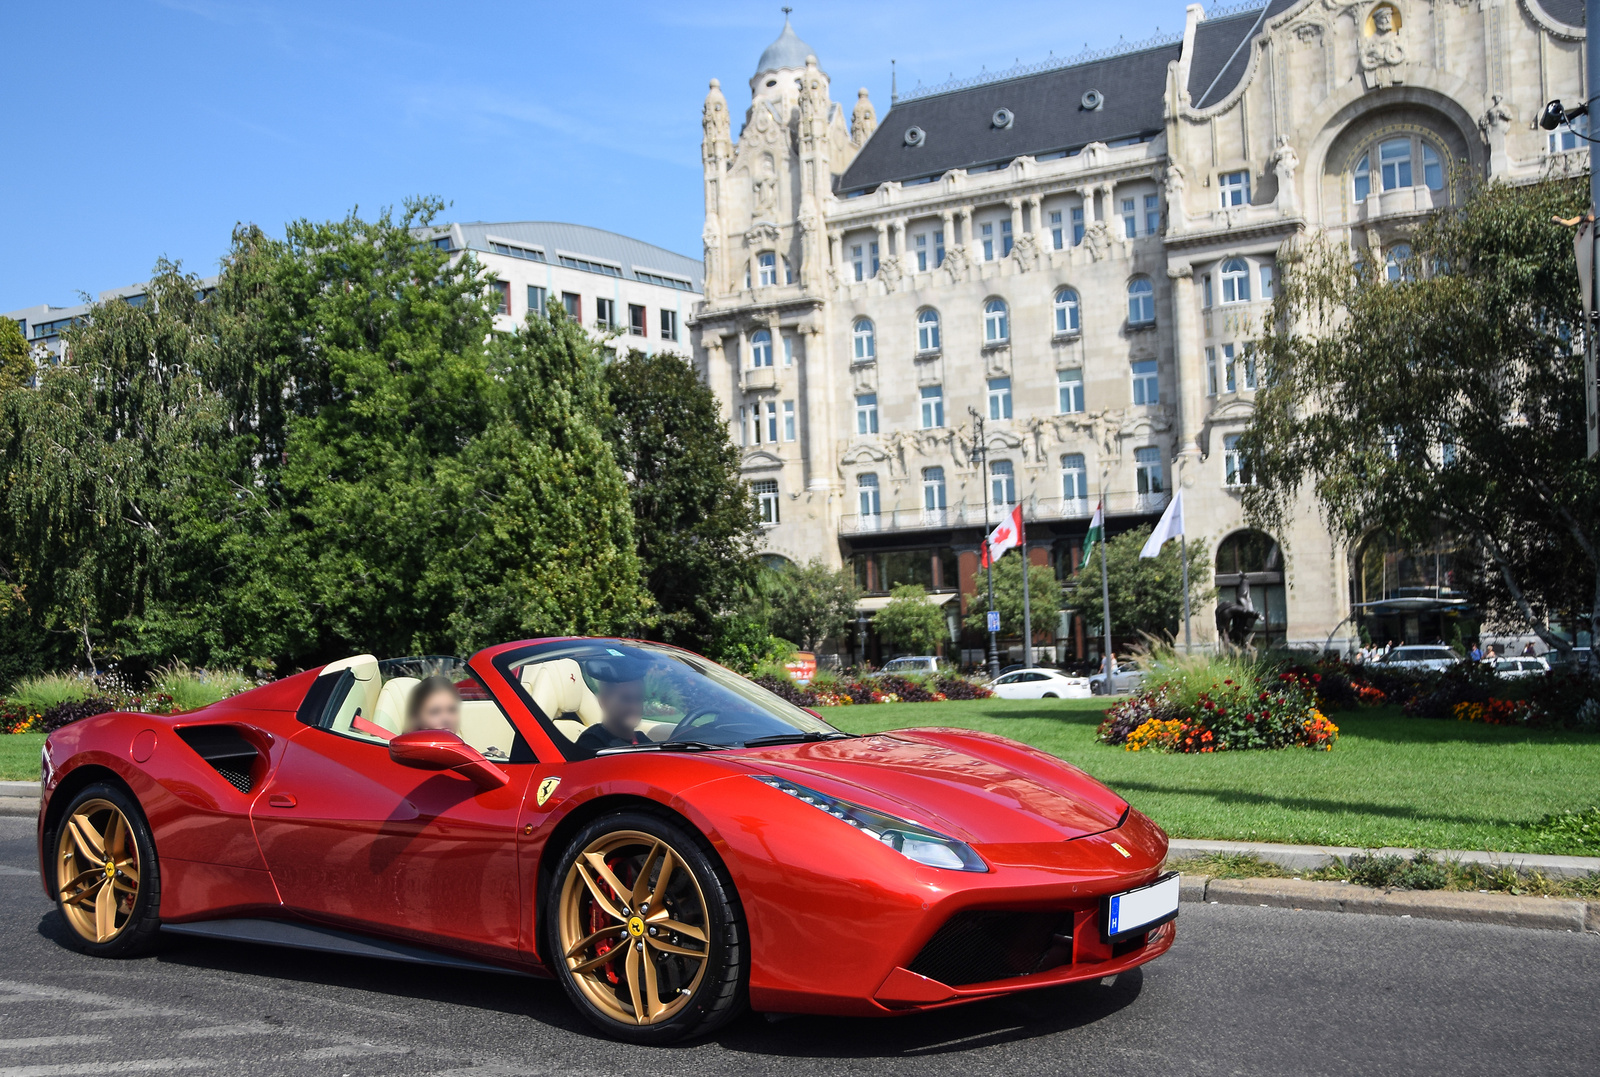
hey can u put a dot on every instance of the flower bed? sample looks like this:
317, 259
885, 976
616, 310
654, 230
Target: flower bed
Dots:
1234, 715
851, 691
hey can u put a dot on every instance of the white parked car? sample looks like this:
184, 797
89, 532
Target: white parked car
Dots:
1417, 656
1521, 666
1040, 683
1126, 678
910, 665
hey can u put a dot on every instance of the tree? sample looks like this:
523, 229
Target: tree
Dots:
1044, 599
16, 362
1146, 593
1449, 400
810, 604
910, 622
695, 524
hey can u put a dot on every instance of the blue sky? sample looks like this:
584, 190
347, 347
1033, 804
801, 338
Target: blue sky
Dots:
148, 128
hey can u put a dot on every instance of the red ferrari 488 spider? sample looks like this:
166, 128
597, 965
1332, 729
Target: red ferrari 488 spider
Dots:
670, 841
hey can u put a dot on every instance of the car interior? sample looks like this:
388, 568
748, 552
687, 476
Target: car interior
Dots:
373, 706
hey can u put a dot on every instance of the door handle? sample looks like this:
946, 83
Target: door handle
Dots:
281, 800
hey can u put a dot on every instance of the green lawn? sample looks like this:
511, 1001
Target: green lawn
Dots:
1390, 780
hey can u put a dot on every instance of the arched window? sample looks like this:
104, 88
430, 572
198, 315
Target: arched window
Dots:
761, 348
1363, 178
1235, 281
1002, 484
933, 499
767, 267
1397, 166
996, 322
1074, 479
1066, 310
865, 341
1394, 162
867, 489
1397, 263
1141, 301
928, 331
1250, 572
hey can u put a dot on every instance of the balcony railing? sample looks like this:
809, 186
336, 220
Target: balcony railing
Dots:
963, 514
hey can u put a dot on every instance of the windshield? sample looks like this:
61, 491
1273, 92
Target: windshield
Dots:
1420, 654
595, 696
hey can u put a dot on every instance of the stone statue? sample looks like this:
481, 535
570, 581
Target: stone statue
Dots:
1284, 163
1498, 117
765, 190
1177, 215
1236, 620
1382, 49
863, 121
714, 118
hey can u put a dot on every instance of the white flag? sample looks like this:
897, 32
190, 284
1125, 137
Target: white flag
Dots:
1170, 527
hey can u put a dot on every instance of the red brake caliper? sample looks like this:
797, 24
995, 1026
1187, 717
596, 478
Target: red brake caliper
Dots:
598, 920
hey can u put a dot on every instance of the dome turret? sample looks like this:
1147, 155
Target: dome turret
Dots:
786, 52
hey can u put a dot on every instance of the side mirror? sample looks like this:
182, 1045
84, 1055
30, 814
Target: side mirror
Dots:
439, 749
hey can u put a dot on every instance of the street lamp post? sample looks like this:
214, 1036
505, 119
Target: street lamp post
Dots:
980, 455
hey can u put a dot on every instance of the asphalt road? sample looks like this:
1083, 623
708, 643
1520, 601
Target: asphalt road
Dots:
1244, 991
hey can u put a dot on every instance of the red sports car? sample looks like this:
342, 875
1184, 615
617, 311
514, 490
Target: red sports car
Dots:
670, 841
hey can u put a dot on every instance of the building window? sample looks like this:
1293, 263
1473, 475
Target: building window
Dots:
987, 231
771, 408
1141, 301
1147, 470
1394, 159
872, 249
1236, 281
1146, 383
1130, 217
1397, 263
1362, 178
928, 331
754, 435
1235, 464
766, 491
761, 348
1069, 391
1066, 311
1569, 137
767, 268
574, 306
867, 491
923, 264
1077, 226
1205, 291
669, 325
1432, 170
1239, 370
1057, 236
537, 297
867, 413
500, 296
744, 431
1152, 214
605, 313
1266, 280
932, 407
933, 498
861, 334
788, 351
788, 420
1229, 371
1074, 478
1005, 238
996, 323
1002, 483
857, 263
636, 324
1235, 188
999, 398
1211, 371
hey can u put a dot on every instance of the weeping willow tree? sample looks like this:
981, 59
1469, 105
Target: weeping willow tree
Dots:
1443, 392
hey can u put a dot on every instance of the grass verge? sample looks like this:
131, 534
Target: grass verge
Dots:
19, 757
1424, 872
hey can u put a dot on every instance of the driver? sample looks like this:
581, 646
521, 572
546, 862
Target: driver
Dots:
620, 690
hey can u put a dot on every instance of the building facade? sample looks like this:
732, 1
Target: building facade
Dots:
1081, 254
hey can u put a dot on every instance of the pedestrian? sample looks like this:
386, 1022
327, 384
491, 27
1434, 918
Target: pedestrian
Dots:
1527, 651
1476, 653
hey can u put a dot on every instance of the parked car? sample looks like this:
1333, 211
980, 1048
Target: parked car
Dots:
910, 665
1125, 678
1577, 660
1040, 683
1514, 668
1416, 656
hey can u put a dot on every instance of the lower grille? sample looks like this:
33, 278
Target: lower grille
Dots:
981, 945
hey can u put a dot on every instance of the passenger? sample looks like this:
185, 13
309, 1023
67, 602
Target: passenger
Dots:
621, 696
434, 704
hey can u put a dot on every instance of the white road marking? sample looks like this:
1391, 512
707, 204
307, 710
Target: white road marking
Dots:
7, 869
353, 1050
125, 1012
247, 1028
50, 1041
139, 1065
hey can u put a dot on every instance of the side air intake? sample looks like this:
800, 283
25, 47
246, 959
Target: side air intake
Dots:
226, 749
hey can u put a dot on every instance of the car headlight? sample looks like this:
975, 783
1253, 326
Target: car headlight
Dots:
910, 840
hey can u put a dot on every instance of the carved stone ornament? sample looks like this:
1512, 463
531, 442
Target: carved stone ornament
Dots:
955, 263
714, 118
764, 190
889, 272
863, 120
1097, 237
1497, 117
1383, 54
1309, 33
1026, 251
763, 231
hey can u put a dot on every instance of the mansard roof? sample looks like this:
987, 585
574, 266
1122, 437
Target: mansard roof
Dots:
555, 237
1048, 110
1222, 52
1566, 12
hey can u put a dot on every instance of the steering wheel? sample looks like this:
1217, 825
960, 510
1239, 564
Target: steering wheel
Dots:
705, 719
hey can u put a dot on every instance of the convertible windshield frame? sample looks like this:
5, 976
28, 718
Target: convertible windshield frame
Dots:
803, 723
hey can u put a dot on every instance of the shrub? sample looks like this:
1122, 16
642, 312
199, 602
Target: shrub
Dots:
1559, 698
46, 690
1566, 831
952, 686
1494, 712
189, 689
1422, 872
66, 713
1259, 709
1464, 682
15, 718
1133, 712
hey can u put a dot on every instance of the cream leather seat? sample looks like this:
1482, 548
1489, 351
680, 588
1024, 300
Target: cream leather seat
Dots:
558, 689
392, 703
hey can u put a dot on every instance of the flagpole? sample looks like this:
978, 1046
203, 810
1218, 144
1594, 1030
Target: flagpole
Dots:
1027, 610
1105, 590
1183, 554
981, 452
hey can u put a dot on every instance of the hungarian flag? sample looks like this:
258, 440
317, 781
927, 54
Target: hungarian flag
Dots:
1097, 533
1007, 533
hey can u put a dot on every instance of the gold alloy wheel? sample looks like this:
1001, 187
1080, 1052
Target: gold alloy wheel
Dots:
633, 927
97, 870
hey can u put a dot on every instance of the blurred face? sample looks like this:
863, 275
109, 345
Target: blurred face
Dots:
441, 710
622, 706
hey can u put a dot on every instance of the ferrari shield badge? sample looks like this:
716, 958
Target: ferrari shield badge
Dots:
547, 788
1117, 845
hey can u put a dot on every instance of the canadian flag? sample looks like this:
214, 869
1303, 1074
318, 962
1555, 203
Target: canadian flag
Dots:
1007, 533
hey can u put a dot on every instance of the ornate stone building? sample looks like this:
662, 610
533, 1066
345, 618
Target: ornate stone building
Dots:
1081, 253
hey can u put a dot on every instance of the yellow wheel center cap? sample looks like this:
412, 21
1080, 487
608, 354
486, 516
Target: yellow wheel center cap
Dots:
636, 926
111, 869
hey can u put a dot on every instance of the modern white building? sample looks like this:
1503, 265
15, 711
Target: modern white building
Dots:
1081, 253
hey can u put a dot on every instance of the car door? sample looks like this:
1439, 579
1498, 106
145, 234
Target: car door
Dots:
354, 839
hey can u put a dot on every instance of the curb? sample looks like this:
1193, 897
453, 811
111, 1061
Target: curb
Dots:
19, 798
1507, 910
1312, 857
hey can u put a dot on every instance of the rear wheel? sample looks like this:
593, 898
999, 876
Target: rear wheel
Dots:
1049, 695
649, 939
107, 882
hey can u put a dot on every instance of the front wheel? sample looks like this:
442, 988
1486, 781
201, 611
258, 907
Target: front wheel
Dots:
649, 939
1049, 695
107, 882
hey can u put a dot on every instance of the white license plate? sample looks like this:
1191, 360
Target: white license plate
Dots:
1137, 910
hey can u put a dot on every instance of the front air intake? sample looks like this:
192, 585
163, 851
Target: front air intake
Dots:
980, 945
